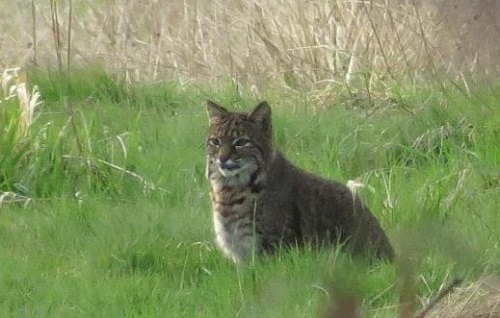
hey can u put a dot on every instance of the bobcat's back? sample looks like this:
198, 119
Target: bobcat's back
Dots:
260, 201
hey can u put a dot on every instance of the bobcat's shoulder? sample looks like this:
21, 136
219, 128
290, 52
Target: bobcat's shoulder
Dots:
260, 201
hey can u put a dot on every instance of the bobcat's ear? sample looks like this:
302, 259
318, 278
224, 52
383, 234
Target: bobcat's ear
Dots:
262, 115
215, 111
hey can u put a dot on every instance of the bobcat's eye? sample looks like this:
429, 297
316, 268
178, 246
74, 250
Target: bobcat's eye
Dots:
242, 143
214, 142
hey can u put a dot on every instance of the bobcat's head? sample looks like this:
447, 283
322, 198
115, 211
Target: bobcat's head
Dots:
239, 144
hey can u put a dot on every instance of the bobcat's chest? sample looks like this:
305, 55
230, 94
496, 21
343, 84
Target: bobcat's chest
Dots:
235, 226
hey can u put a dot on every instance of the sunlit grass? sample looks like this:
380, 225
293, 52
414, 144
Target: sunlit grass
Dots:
116, 220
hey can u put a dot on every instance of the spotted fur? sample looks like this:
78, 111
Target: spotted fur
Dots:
260, 201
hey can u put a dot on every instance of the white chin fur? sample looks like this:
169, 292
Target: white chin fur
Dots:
230, 173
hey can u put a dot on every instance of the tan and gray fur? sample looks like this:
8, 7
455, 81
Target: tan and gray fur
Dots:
262, 202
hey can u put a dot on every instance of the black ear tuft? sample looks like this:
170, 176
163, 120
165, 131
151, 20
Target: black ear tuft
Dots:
262, 115
214, 110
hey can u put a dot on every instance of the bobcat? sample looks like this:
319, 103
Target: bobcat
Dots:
262, 202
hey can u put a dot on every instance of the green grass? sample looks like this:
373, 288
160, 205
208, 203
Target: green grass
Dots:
97, 240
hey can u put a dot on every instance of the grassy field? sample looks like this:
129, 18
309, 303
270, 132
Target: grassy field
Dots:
105, 210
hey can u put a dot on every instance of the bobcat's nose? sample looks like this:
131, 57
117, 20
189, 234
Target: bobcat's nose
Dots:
228, 164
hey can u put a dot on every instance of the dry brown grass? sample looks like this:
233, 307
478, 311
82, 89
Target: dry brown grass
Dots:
479, 299
15, 88
304, 45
